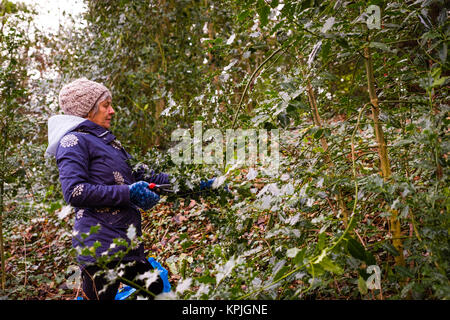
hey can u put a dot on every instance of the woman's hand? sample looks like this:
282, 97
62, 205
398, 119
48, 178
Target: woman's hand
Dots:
142, 196
207, 185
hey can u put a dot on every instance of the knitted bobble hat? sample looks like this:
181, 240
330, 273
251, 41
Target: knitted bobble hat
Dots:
80, 96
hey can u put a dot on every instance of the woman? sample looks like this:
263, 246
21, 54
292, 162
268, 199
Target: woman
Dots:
98, 182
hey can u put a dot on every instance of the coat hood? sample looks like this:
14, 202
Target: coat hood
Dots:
58, 126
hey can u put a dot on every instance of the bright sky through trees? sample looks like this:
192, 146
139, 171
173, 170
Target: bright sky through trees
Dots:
50, 12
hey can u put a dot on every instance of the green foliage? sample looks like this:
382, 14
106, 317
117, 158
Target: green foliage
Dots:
275, 237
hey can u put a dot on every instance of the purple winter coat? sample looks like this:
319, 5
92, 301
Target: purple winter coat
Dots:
94, 177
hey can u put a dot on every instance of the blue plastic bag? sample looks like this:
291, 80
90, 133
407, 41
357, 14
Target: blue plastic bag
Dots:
163, 273
126, 291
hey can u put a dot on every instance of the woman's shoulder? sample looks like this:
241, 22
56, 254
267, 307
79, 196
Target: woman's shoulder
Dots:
74, 141
72, 138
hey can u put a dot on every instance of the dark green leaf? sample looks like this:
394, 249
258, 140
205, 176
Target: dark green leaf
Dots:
390, 248
206, 279
318, 134
356, 249
328, 265
298, 260
263, 12
281, 273
362, 286
404, 272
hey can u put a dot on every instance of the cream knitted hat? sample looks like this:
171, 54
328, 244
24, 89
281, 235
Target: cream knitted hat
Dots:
80, 96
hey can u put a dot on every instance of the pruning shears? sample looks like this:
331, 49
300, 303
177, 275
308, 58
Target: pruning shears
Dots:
161, 188
166, 189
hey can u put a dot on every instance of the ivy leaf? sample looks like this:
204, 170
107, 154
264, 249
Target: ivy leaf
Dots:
443, 52
404, 272
326, 50
85, 251
343, 43
186, 244
321, 241
370, 259
243, 15
97, 245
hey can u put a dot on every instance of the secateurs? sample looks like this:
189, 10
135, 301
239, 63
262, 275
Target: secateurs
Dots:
161, 188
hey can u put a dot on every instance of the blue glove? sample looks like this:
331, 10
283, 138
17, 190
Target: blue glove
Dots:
142, 196
206, 184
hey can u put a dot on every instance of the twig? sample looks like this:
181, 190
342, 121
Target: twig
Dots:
332, 207
268, 245
25, 261
164, 235
360, 239
251, 80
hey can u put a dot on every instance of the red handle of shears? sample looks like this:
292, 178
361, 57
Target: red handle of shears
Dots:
160, 188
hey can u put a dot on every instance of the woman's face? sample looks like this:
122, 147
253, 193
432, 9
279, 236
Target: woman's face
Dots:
103, 115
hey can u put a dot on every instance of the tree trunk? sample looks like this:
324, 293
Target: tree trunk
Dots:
383, 154
2, 252
318, 122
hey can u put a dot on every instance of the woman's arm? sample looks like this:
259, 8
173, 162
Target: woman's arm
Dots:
143, 173
72, 157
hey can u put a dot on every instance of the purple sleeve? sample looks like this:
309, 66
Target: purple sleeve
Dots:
160, 178
144, 174
73, 164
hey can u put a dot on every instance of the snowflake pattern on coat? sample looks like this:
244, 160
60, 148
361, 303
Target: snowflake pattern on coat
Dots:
78, 190
116, 144
103, 210
69, 140
80, 214
118, 178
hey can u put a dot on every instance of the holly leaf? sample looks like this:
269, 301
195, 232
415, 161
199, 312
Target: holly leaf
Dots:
263, 12
362, 286
356, 249
328, 265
